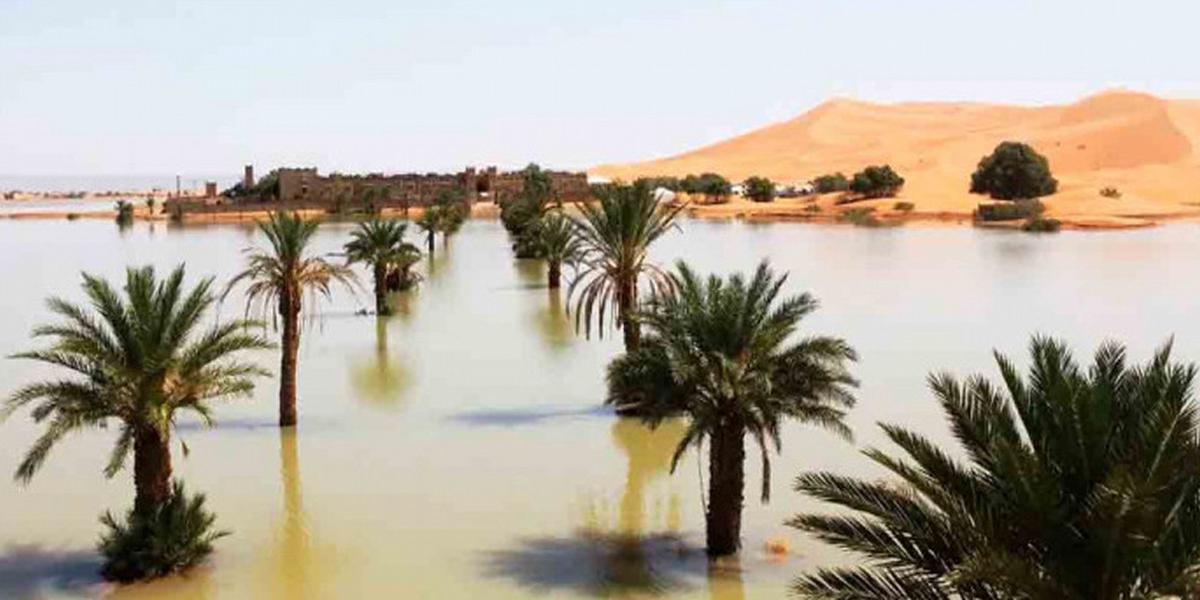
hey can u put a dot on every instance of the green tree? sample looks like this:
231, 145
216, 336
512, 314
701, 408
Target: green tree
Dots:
718, 353
124, 216
615, 236
876, 182
561, 244
522, 214
278, 280
833, 182
1013, 171
1074, 483
138, 360
380, 245
760, 189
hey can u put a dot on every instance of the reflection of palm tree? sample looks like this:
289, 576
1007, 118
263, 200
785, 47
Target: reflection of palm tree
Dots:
648, 455
295, 544
725, 579
553, 323
380, 379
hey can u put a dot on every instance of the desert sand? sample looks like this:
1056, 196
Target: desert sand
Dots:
1140, 144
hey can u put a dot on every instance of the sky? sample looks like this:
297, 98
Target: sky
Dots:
161, 86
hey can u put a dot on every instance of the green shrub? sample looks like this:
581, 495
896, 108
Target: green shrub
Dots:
904, 207
862, 216
876, 182
833, 182
711, 185
760, 189
1009, 211
1013, 170
1110, 192
124, 212
157, 542
1041, 224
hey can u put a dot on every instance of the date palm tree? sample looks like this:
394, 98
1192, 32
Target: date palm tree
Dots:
139, 360
615, 235
278, 280
380, 244
430, 223
561, 244
1074, 483
718, 353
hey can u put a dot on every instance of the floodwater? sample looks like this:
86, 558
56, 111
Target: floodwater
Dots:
459, 449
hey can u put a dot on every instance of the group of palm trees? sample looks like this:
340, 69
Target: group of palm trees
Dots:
1074, 483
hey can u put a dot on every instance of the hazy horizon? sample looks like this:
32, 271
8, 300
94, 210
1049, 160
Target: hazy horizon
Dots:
140, 88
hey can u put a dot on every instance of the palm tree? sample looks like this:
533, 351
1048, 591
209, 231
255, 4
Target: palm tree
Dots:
138, 360
278, 279
1075, 483
430, 223
718, 354
381, 245
560, 243
615, 235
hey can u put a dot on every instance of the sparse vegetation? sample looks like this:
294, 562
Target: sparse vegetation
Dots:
904, 207
1040, 224
1110, 192
876, 182
1009, 211
715, 188
1013, 171
862, 216
760, 189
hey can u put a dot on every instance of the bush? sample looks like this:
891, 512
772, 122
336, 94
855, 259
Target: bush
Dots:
1013, 170
715, 187
834, 182
1110, 192
760, 189
1041, 224
862, 216
72, 216
876, 182
1009, 211
157, 542
124, 212
904, 207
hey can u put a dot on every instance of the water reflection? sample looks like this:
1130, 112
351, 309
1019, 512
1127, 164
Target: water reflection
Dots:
295, 545
531, 274
629, 558
380, 379
552, 322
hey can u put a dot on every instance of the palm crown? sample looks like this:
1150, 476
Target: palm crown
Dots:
1077, 484
718, 352
615, 235
380, 244
138, 359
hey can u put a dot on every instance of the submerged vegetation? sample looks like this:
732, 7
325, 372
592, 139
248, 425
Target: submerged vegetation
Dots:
381, 246
720, 353
159, 541
280, 282
138, 359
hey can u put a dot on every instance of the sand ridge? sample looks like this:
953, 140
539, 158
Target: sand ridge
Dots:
1140, 144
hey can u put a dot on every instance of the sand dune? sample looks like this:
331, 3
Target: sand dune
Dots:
1142, 145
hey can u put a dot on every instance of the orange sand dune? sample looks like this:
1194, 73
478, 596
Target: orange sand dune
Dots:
1142, 145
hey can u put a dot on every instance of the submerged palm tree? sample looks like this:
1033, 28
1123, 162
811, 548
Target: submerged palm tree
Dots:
718, 354
138, 360
278, 280
561, 244
430, 223
380, 244
1075, 483
615, 235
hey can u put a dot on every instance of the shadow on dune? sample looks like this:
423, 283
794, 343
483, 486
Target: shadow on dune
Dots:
29, 571
519, 417
599, 564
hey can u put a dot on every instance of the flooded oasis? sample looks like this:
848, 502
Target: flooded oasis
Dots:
461, 447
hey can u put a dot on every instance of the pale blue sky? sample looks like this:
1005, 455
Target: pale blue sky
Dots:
155, 86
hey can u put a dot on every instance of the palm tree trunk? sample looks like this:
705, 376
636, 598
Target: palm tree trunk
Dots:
627, 303
554, 275
381, 303
289, 309
726, 478
151, 469
429, 242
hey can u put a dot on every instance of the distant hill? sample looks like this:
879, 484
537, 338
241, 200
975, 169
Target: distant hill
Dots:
1138, 143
